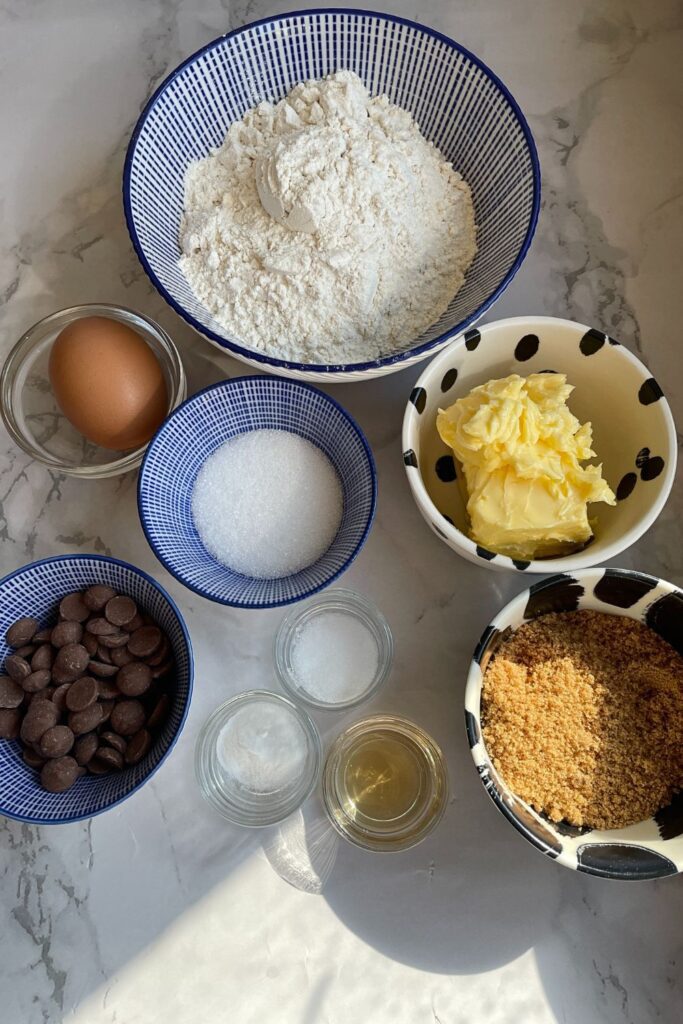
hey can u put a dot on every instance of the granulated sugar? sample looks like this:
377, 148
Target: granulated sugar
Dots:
267, 503
262, 748
334, 657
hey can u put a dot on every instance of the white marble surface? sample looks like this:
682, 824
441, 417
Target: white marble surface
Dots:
159, 912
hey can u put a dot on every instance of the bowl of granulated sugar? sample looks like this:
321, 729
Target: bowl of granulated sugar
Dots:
257, 492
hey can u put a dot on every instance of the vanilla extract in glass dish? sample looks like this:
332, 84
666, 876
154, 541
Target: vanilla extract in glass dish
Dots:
385, 784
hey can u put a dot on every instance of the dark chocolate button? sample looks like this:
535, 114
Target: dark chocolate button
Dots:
82, 694
70, 663
139, 745
128, 717
22, 631
59, 774
18, 668
96, 597
10, 723
11, 693
85, 747
37, 680
66, 632
74, 608
135, 679
144, 641
121, 610
85, 721
57, 741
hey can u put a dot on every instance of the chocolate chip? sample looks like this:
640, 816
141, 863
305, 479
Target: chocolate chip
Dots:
135, 679
161, 670
161, 654
57, 741
100, 627
37, 680
82, 694
107, 689
136, 623
112, 739
41, 716
120, 656
144, 641
121, 610
85, 747
11, 694
59, 774
109, 756
10, 723
27, 651
22, 631
102, 671
32, 759
18, 668
90, 643
159, 713
106, 708
70, 663
42, 636
43, 658
96, 597
86, 720
59, 696
66, 632
139, 745
128, 717
74, 608
115, 641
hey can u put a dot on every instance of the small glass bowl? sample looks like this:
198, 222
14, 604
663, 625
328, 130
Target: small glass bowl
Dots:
337, 600
390, 820
246, 806
31, 414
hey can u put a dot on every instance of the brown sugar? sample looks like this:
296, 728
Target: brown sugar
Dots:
582, 715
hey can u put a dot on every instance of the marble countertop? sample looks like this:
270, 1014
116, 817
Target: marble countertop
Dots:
159, 912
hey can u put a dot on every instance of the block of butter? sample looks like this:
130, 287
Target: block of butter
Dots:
520, 450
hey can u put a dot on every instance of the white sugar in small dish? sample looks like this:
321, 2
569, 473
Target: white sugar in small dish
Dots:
334, 653
267, 503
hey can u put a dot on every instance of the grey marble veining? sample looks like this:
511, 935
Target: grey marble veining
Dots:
159, 911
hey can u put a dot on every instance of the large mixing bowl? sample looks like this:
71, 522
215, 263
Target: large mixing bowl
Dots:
459, 104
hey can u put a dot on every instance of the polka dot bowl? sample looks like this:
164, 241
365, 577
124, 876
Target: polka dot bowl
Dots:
36, 589
646, 850
203, 423
459, 103
633, 431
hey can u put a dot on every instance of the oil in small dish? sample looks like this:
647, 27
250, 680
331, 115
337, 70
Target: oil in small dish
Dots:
385, 783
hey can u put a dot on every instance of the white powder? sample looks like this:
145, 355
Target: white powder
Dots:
334, 657
267, 503
262, 748
326, 229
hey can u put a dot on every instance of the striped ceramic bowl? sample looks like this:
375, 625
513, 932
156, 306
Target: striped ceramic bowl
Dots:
36, 590
648, 849
459, 104
203, 423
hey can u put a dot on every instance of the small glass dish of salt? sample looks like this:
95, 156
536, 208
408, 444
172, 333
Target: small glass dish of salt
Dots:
335, 652
257, 758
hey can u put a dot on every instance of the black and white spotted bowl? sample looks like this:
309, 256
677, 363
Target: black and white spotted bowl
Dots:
650, 849
633, 430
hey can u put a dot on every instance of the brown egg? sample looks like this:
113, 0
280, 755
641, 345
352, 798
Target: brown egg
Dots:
108, 383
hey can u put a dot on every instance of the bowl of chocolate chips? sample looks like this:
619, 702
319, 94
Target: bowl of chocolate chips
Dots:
95, 685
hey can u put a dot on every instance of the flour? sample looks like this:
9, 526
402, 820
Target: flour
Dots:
326, 229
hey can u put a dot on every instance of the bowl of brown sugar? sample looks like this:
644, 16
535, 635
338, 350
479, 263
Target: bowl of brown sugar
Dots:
574, 716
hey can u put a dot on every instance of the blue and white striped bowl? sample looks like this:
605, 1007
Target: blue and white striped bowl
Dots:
459, 104
36, 589
203, 423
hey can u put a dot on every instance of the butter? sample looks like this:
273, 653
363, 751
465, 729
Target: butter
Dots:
520, 450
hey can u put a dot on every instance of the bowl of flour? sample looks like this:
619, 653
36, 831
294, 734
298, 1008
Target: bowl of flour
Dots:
333, 211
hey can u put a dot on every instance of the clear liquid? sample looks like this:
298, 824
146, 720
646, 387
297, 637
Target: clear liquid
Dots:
384, 777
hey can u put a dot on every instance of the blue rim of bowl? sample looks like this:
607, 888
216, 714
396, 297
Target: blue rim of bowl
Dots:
106, 560
352, 557
323, 368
